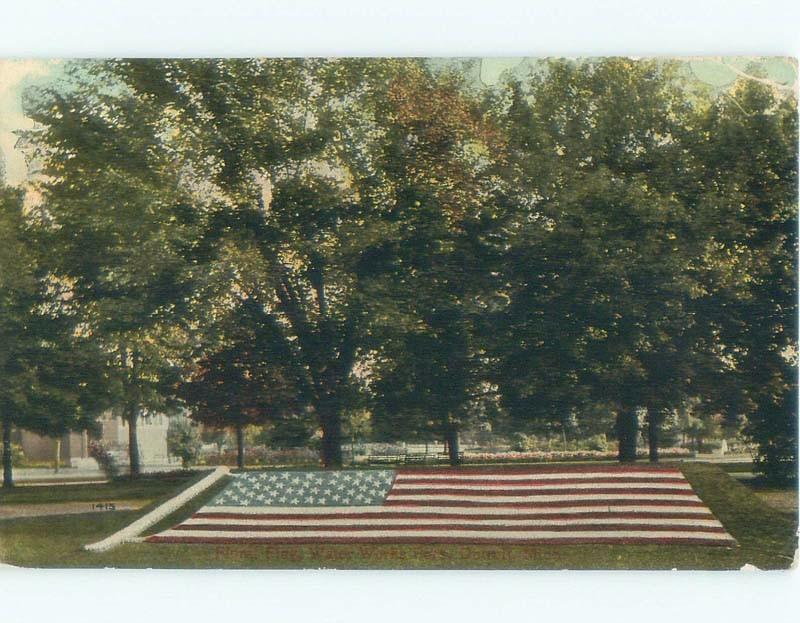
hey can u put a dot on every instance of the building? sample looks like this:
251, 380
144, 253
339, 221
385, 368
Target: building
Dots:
74, 447
113, 433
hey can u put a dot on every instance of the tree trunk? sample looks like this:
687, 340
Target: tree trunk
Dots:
133, 442
57, 464
653, 435
627, 432
240, 445
332, 440
452, 446
8, 476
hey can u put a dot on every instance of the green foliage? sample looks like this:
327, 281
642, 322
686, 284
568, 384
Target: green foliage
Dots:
17, 455
183, 440
652, 250
520, 442
289, 243
113, 217
746, 146
219, 437
357, 425
596, 442
599, 267
289, 432
53, 379
291, 153
105, 459
243, 377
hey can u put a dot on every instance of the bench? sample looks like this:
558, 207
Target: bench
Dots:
411, 459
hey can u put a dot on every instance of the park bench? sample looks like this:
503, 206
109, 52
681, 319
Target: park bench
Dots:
410, 459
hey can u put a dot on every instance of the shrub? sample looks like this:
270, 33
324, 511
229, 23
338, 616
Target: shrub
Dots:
520, 442
183, 440
260, 455
595, 442
105, 459
17, 455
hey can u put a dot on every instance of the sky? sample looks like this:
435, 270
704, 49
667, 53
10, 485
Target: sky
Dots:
15, 76
18, 74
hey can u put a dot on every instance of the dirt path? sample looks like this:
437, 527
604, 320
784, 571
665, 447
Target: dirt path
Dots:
16, 511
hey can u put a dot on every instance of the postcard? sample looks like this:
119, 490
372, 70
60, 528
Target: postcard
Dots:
399, 313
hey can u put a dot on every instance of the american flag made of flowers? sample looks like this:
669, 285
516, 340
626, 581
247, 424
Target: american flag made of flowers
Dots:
530, 505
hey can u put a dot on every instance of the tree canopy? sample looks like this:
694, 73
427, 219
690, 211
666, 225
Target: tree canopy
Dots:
52, 378
309, 238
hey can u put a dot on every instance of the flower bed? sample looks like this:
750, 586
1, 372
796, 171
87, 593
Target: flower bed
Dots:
263, 456
570, 455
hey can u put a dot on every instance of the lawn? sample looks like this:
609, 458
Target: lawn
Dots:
148, 487
766, 537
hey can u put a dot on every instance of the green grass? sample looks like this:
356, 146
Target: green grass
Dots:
765, 535
781, 498
744, 467
147, 487
189, 508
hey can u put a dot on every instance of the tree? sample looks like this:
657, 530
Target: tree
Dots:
590, 239
242, 378
357, 426
422, 387
17, 287
428, 350
114, 216
746, 166
52, 379
601, 251
219, 437
305, 166
291, 431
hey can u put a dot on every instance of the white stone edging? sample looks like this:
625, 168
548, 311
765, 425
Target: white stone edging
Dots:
133, 531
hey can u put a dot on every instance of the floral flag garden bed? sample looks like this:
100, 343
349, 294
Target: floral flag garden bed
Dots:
538, 504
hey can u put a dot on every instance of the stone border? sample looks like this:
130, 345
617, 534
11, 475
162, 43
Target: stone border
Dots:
133, 531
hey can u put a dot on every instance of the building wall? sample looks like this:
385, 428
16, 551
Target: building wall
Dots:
42, 448
152, 433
